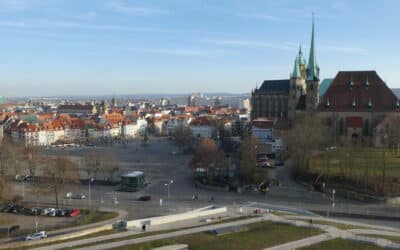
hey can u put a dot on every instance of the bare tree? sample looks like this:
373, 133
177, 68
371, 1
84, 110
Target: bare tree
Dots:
91, 164
32, 158
4, 189
308, 135
248, 161
108, 165
391, 133
182, 136
205, 156
4, 155
60, 171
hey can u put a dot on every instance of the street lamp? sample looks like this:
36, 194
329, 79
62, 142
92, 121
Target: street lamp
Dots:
90, 194
116, 202
167, 185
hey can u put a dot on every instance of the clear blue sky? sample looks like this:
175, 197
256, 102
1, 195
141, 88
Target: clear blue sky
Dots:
54, 47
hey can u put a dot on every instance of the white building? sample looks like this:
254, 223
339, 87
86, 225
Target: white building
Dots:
263, 130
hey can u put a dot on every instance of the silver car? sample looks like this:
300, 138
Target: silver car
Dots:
36, 236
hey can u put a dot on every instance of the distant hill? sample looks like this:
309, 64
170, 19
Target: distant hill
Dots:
396, 92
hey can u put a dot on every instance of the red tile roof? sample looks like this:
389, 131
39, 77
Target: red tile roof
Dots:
263, 123
351, 86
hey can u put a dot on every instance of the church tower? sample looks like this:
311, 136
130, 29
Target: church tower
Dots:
312, 81
297, 84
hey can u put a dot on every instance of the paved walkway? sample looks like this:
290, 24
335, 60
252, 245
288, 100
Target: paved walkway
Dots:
66, 233
331, 232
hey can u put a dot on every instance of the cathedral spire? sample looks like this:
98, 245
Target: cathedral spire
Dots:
312, 69
300, 57
296, 70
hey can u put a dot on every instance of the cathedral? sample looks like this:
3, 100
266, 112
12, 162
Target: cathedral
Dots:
280, 99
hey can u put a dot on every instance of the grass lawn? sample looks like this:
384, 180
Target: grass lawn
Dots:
342, 245
361, 165
260, 235
140, 235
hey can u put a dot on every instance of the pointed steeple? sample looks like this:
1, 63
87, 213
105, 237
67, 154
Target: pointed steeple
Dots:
296, 70
312, 68
301, 59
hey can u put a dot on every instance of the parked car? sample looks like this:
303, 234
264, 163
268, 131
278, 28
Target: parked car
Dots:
15, 208
26, 211
36, 210
36, 236
279, 163
263, 160
61, 212
52, 212
144, 198
46, 211
120, 225
78, 196
7, 208
74, 213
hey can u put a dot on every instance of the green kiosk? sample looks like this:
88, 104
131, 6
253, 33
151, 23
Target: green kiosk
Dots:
133, 181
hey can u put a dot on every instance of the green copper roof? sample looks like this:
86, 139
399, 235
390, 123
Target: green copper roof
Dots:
301, 59
312, 68
296, 69
324, 85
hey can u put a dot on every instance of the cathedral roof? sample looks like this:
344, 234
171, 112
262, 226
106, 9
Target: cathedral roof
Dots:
324, 85
376, 96
274, 86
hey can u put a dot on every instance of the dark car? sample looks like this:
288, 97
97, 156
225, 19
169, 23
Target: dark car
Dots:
15, 208
26, 211
36, 210
279, 163
120, 225
7, 208
144, 198
61, 212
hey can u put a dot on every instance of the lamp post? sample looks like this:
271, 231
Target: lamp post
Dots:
167, 185
90, 194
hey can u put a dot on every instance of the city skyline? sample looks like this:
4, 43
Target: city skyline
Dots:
132, 47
